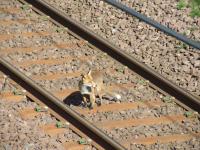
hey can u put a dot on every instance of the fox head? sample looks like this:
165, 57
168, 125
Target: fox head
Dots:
87, 83
87, 78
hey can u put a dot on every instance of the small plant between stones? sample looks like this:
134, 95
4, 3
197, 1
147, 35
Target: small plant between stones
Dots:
141, 81
193, 28
190, 114
168, 99
83, 141
181, 4
104, 55
182, 46
193, 4
45, 18
60, 124
40, 109
25, 7
17, 92
59, 29
3, 84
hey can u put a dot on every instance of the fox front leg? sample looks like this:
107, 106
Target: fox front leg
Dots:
92, 101
98, 93
84, 101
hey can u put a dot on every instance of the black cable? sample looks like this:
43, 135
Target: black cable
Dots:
155, 24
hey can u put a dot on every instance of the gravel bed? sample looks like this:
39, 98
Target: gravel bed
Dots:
192, 144
167, 13
141, 90
171, 58
9, 3
20, 134
152, 130
33, 26
44, 118
16, 133
38, 23
44, 69
33, 41
24, 11
54, 53
138, 113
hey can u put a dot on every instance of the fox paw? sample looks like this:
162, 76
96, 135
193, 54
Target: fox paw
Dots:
90, 106
98, 103
83, 104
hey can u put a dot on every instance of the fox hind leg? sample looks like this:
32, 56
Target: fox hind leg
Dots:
100, 97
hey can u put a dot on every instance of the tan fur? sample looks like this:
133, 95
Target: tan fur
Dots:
95, 78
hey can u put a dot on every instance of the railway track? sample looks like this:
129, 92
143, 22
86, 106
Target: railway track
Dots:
31, 113
53, 57
31, 124
170, 57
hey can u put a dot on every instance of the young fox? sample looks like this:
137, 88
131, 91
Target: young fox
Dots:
92, 86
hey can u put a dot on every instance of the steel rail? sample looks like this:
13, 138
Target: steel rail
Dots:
155, 24
156, 79
63, 110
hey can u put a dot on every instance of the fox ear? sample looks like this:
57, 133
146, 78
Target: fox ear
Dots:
89, 73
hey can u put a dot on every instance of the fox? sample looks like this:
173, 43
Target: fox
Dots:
92, 85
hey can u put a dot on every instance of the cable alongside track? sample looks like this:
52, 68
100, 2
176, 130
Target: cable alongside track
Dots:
155, 24
54, 57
